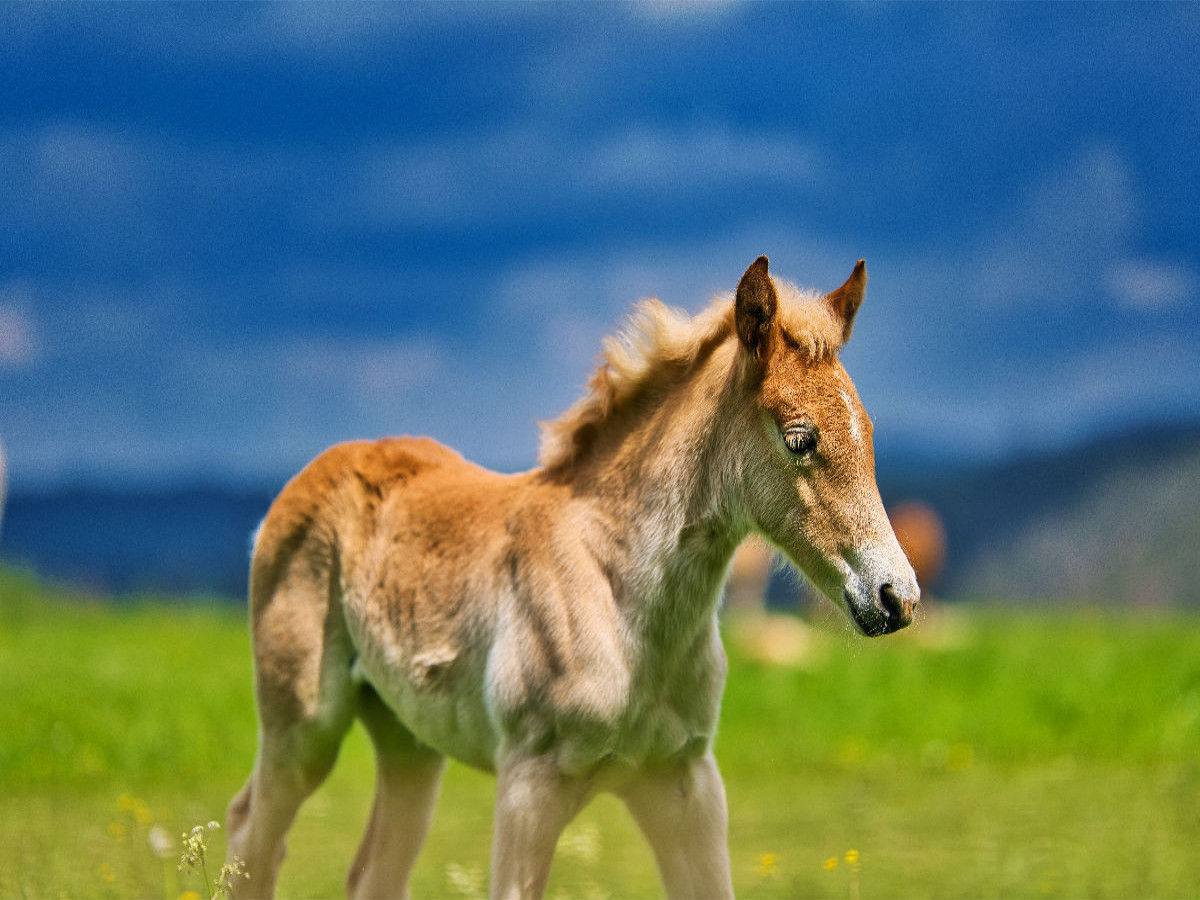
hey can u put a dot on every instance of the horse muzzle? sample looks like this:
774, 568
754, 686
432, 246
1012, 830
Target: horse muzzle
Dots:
885, 609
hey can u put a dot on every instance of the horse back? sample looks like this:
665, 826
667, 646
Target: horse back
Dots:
327, 502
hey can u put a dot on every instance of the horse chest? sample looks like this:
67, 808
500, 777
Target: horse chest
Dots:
584, 688
677, 706
654, 712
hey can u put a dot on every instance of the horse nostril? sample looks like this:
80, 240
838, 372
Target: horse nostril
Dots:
899, 612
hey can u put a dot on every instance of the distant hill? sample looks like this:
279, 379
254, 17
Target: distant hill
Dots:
1132, 536
185, 540
1114, 520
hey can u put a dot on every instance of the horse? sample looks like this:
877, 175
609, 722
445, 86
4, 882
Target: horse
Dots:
559, 627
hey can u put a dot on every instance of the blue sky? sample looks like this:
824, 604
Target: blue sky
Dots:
232, 234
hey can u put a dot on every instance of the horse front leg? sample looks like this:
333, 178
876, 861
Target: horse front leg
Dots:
682, 812
534, 803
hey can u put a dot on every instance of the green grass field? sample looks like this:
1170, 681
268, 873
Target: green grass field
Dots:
985, 754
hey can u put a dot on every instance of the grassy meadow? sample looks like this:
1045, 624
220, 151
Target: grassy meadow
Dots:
985, 753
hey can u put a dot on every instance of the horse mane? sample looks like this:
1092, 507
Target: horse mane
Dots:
660, 341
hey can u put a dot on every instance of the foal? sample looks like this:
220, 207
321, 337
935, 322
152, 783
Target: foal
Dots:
559, 627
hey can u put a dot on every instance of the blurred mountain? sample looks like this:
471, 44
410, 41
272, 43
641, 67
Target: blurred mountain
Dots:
1114, 520
181, 540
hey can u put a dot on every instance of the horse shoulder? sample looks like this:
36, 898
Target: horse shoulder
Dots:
559, 660
424, 519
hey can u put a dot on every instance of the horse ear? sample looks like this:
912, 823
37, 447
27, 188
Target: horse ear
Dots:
754, 306
845, 301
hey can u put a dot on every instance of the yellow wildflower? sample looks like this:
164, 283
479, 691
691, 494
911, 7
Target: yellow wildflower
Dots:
830, 864
766, 865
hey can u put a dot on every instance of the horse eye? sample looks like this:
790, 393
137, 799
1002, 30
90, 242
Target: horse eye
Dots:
800, 440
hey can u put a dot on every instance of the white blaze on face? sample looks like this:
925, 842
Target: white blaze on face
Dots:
855, 430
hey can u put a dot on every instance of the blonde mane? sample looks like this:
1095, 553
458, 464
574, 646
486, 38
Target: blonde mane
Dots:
660, 340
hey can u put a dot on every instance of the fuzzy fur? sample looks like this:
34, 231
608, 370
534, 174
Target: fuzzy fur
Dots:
557, 627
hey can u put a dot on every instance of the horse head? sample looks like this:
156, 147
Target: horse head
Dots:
810, 462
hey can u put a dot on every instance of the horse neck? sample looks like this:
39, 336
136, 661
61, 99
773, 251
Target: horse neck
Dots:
665, 484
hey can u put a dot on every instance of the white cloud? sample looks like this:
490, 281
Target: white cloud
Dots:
20, 345
318, 29
1126, 378
1055, 244
683, 13
114, 198
76, 156
526, 172
1047, 402
1147, 285
346, 377
601, 286
71, 180
649, 158
384, 370
346, 34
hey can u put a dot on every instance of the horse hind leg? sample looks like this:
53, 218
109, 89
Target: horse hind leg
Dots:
263, 810
406, 787
306, 704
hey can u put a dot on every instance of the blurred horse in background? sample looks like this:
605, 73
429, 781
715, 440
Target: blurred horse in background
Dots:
559, 627
922, 536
